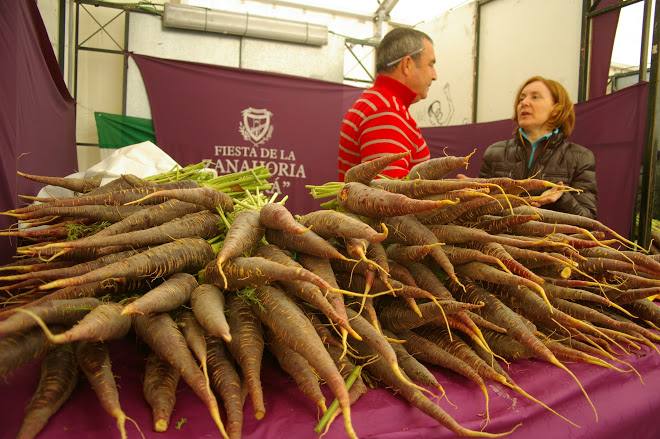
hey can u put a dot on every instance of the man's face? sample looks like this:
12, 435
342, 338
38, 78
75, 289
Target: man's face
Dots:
422, 71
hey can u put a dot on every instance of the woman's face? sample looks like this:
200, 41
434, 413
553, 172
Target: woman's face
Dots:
535, 105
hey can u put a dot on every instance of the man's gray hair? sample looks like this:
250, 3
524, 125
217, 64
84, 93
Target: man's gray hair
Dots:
396, 45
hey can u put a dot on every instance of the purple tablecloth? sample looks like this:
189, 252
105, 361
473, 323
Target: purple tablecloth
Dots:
626, 407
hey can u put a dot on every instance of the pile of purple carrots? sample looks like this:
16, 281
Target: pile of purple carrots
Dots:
393, 276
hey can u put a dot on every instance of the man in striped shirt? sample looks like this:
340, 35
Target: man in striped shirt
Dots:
378, 122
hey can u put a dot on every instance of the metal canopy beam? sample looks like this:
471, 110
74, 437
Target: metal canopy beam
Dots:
652, 139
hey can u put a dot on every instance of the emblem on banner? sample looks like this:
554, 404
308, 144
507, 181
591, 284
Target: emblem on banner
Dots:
255, 126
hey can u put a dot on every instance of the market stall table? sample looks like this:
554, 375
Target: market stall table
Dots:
626, 407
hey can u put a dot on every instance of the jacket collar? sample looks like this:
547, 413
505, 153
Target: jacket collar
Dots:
401, 91
554, 138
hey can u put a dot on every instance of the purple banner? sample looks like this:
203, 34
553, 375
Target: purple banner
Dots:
241, 118
612, 126
37, 114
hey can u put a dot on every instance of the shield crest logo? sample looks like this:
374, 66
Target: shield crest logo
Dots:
255, 126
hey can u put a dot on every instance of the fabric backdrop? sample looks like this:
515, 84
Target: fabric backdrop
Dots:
37, 114
241, 118
116, 131
612, 126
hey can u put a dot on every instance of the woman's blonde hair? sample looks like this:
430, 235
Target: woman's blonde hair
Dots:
563, 113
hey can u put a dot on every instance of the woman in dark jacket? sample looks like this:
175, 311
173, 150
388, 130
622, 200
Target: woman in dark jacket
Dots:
545, 118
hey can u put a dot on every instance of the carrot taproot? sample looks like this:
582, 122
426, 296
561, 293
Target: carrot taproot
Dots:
75, 270
309, 243
186, 254
449, 214
61, 312
378, 203
195, 337
333, 224
94, 361
245, 232
151, 216
124, 181
409, 253
169, 295
254, 271
367, 171
398, 318
497, 224
483, 272
506, 346
631, 295
423, 188
202, 224
415, 370
497, 251
438, 167
630, 281
91, 289
288, 322
247, 347
381, 370
429, 352
551, 216
21, 348
636, 258
103, 322
159, 390
298, 368
408, 230
461, 255
276, 216
583, 312
59, 375
208, 304
347, 369
227, 383
567, 353
93, 212
208, 197
306, 291
114, 198
461, 350
160, 332
73, 184
485, 323
601, 265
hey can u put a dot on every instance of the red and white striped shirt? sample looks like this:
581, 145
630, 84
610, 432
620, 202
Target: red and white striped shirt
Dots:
379, 123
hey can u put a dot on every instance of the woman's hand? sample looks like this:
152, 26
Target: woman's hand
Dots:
548, 197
